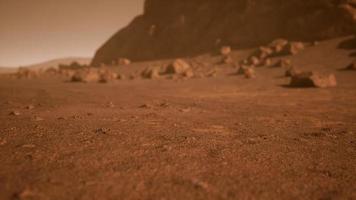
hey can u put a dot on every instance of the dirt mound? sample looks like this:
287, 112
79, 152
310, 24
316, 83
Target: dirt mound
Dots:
179, 28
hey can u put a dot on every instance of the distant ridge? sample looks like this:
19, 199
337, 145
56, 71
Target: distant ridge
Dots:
48, 64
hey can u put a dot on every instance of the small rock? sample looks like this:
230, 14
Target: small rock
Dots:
185, 110
110, 105
352, 66
29, 146
37, 119
225, 50
292, 71
15, 113
254, 61
266, 62
121, 77
30, 107
313, 79
148, 106
227, 60
249, 73
284, 62
188, 74
102, 131
278, 45
242, 69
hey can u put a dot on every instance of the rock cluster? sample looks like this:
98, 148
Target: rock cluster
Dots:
94, 75
177, 68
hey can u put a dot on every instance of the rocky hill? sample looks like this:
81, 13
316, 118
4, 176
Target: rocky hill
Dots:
178, 28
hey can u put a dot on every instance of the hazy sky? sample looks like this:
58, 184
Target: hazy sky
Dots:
33, 31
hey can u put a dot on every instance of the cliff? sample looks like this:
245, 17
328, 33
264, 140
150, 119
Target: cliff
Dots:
176, 28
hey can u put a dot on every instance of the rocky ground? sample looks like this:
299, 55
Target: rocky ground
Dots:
201, 133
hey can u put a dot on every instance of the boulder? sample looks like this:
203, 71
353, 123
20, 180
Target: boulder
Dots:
294, 48
107, 76
178, 66
86, 76
123, 61
278, 45
151, 73
313, 79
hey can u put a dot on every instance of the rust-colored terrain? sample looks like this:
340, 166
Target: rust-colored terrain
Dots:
211, 135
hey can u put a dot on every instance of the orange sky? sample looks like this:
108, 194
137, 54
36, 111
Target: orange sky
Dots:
33, 31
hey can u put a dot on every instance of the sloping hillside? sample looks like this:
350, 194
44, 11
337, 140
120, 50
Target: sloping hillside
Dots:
184, 27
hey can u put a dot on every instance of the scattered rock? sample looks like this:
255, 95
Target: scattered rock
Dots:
151, 73
178, 66
225, 50
313, 79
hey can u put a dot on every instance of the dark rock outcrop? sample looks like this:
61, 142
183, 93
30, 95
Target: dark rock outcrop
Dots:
177, 28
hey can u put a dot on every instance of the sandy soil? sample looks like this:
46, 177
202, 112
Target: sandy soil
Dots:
223, 137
